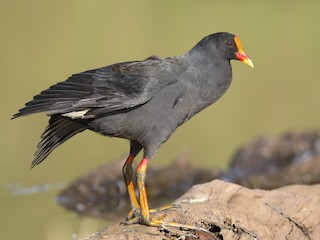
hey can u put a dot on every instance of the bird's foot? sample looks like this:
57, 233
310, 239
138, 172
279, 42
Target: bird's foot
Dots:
171, 228
137, 219
135, 213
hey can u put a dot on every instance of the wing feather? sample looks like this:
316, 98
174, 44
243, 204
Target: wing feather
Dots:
110, 88
58, 131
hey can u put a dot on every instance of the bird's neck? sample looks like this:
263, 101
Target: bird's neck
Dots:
211, 74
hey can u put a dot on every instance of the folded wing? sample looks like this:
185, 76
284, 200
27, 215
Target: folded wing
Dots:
99, 91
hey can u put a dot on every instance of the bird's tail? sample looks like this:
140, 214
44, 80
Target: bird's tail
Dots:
59, 130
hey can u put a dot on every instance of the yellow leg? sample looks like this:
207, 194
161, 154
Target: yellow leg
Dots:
127, 173
141, 179
134, 214
144, 207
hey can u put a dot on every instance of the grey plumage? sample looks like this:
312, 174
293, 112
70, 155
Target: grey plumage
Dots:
143, 101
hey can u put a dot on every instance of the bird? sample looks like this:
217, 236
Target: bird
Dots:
143, 101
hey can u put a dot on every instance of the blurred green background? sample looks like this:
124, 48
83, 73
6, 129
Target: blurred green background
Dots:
43, 42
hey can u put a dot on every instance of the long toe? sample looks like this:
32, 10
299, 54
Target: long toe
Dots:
133, 214
131, 221
164, 208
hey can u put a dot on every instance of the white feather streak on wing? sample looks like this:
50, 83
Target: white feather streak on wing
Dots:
77, 114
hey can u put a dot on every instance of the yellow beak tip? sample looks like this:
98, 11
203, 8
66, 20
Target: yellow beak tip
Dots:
248, 62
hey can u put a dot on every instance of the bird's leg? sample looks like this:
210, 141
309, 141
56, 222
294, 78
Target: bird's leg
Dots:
141, 180
127, 173
135, 148
137, 215
144, 205
145, 212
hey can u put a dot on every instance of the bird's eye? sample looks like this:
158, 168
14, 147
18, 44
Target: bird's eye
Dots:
229, 44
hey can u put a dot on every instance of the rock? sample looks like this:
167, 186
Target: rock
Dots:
231, 211
307, 172
269, 163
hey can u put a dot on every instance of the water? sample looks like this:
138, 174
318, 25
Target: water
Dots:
42, 44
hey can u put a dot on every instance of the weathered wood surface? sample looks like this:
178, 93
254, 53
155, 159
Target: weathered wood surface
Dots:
234, 212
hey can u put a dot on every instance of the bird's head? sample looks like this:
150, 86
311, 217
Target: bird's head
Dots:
227, 46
